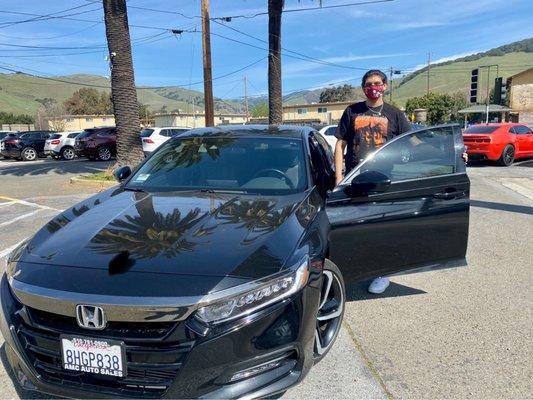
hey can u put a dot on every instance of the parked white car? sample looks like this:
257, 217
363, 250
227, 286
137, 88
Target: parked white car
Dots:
61, 145
152, 138
328, 132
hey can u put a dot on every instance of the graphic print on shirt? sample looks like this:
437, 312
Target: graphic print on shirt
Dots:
370, 133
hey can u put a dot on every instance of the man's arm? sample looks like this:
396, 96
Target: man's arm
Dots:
339, 160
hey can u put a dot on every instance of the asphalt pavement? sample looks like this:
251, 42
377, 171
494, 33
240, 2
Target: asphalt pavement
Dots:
459, 333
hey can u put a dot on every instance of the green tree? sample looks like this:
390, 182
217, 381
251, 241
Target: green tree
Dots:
10, 118
260, 110
88, 101
339, 93
440, 108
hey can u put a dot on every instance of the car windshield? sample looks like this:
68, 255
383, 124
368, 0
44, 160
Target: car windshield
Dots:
481, 129
261, 165
146, 132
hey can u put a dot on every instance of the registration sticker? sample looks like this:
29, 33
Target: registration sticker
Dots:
96, 356
141, 177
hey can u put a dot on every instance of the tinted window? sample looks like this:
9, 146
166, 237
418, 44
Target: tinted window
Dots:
331, 131
420, 154
54, 136
481, 129
521, 129
32, 135
165, 132
73, 135
175, 132
146, 132
259, 165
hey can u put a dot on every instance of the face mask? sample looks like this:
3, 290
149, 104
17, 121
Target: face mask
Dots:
373, 92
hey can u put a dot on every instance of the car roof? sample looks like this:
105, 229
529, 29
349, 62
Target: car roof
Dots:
288, 131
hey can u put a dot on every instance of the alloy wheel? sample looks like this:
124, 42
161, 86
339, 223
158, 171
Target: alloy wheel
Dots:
509, 155
68, 154
330, 311
29, 154
104, 154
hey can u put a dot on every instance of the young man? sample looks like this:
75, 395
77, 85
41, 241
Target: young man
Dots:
363, 128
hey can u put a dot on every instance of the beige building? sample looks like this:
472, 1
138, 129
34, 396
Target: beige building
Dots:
80, 122
521, 96
196, 120
325, 113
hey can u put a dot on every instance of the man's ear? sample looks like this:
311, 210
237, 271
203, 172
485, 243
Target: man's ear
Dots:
385, 86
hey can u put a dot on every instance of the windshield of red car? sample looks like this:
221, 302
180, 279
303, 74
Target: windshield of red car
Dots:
249, 164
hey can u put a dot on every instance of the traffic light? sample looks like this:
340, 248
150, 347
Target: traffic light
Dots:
473, 85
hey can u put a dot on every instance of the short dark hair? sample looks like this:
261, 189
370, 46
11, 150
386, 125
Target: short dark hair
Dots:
377, 72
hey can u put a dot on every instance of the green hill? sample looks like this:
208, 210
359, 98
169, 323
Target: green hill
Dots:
22, 94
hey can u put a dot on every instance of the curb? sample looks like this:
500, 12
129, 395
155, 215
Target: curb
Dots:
91, 183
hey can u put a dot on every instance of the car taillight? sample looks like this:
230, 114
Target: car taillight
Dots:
148, 140
10, 142
56, 141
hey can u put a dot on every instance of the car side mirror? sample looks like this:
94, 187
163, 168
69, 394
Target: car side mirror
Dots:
122, 173
369, 182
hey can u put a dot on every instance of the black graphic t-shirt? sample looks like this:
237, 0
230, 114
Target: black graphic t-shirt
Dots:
365, 129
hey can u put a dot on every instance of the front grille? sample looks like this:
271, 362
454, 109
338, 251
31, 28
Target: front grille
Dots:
154, 355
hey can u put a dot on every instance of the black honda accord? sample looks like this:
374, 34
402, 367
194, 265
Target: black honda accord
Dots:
218, 268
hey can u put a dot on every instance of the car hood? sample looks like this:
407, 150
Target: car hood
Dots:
185, 233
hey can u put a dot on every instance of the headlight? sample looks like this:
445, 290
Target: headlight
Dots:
265, 293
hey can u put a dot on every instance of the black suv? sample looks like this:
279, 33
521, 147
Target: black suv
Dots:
27, 146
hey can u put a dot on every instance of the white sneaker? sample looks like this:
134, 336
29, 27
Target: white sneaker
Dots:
379, 285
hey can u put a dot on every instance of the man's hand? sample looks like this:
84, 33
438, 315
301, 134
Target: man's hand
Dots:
338, 179
465, 156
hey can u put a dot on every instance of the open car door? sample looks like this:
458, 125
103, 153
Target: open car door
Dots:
405, 207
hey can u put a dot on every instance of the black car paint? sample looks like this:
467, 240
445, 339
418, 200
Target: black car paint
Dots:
34, 139
349, 230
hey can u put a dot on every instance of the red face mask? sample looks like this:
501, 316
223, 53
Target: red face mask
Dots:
374, 92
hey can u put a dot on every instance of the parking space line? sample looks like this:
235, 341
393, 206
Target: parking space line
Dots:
23, 216
8, 203
27, 203
5, 252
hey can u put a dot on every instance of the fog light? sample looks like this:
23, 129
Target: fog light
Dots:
247, 373
24, 381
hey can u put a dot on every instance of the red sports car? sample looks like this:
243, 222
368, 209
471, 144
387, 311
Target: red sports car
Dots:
503, 142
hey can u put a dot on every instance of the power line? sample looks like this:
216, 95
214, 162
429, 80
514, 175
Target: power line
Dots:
46, 17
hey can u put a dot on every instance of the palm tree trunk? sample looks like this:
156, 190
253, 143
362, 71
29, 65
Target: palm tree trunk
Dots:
123, 93
275, 111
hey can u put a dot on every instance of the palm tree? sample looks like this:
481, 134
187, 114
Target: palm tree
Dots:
275, 111
124, 96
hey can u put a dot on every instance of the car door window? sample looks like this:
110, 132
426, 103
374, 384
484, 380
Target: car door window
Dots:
175, 132
420, 154
522, 130
73, 135
331, 131
165, 132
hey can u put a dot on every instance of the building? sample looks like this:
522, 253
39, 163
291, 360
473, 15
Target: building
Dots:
80, 122
324, 113
521, 96
196, 120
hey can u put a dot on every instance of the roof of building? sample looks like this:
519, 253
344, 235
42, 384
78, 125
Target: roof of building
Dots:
521, 72
482, 108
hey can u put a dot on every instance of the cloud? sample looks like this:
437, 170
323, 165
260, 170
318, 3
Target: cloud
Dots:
398, 26
447, 58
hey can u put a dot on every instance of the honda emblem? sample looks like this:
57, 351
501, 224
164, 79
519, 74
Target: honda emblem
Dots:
90, 317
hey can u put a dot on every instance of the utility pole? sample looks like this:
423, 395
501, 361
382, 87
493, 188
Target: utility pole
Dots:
246, 100
208, 77
429, 66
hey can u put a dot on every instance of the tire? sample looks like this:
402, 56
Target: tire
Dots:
29, 154
507, 157
104, 154
330, 310
67, 153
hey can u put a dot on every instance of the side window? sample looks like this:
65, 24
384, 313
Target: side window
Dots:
176, 132
73, 135
419, 154
325, 148
322, 170
165, 132
331, 131
512, 129
521, 129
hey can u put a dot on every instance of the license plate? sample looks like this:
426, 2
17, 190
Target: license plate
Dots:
95, 356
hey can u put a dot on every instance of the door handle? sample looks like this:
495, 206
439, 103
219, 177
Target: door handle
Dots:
449, 195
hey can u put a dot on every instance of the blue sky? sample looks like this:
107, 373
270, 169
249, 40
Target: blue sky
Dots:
398, 33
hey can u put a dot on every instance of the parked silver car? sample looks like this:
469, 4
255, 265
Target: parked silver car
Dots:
61, 145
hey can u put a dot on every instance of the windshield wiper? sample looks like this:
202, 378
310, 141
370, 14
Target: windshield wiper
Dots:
130, 189
223, 191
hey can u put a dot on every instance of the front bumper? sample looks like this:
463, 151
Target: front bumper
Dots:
179, 363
